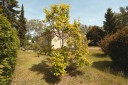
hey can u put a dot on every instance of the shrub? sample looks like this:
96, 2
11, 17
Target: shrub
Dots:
104, 44
31, 46
116, 46
95, 34
44, 45
9, 43
59, 63
72, 56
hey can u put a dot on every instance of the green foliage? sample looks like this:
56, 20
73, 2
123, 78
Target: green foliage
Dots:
58, 18
35, 27
115, 21
69, 58
43, 45
10, 11
78, 46
30, 46
110, 22
83, 29
59, 63
95, 34
1, 10
44, 42
37, 30
22, 28
122, 18
9, 43
116, 46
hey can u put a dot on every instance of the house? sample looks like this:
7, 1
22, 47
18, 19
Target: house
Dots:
57, 43
46, 37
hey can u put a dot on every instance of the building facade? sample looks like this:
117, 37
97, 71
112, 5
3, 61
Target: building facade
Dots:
57, 43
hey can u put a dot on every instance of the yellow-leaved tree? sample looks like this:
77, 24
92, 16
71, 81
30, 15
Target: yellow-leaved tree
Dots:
77, 45
58, 18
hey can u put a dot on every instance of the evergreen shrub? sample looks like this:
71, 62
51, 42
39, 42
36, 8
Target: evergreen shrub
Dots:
9, 44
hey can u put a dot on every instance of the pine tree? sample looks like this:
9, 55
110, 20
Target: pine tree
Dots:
110, 23
10, 12
22, 28
122, 17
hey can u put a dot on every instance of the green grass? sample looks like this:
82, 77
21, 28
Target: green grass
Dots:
33, 70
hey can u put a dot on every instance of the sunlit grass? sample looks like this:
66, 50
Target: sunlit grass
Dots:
33, 70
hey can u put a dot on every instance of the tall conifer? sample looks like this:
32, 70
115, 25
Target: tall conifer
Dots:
110, 22
22, 28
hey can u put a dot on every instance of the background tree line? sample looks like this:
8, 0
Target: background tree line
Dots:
115, 43
113, 23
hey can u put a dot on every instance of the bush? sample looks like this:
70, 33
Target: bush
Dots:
116, 46
59, 63
9, 44
43, 45
70, 57
95, 34
104, 44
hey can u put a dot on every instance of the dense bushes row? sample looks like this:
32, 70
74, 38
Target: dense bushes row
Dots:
95, 34
9, 43
116, 46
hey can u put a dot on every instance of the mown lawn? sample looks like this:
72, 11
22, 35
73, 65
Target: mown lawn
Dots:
33, 70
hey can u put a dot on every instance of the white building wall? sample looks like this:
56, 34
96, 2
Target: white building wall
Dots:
57, 43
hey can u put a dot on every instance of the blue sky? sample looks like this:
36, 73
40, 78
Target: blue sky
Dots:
90, 12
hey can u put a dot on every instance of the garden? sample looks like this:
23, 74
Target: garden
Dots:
56, 51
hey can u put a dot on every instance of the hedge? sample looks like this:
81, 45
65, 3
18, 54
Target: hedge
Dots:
9, 44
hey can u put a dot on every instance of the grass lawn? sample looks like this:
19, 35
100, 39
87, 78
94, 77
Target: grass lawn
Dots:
33, 70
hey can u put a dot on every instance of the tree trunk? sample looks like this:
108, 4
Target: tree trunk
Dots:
62, 37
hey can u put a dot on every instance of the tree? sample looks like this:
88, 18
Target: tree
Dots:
83, 29
22, 28
1, 9
9, 44
58, 18
10, 12
71, 55
35, 27
44, 43
110, 22
95, 34
122, 18
38, 31
116, 46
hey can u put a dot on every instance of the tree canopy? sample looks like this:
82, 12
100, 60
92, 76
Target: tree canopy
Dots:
110, 22
22, 27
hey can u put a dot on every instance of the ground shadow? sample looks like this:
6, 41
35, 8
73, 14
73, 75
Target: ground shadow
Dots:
44, 69
100, 55
73, 71
108, 66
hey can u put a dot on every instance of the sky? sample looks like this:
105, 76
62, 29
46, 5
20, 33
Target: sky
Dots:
90, 12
